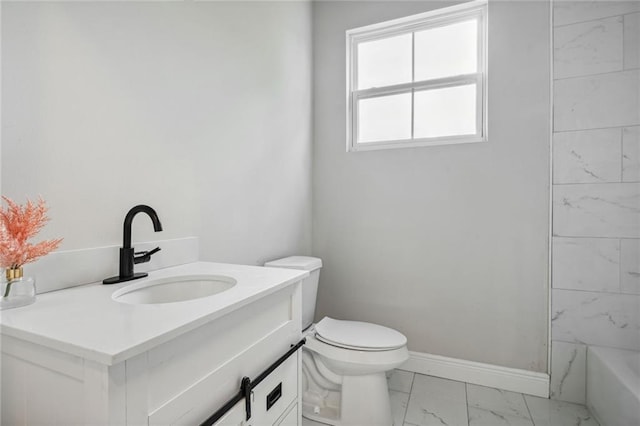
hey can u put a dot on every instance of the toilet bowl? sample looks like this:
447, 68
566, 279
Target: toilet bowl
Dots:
344, 363
344, 372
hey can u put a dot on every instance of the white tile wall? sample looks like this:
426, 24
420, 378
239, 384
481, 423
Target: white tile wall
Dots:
602, 319
568, 372
590, 156
603, 210
596, 195
588, 47
568, 12
597, 101
630, 266
632, 41
631, 154
586, 264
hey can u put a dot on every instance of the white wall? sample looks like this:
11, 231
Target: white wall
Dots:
447, 244
201, 110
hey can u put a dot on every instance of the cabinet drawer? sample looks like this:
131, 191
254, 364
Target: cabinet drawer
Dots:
290, 418
275, 393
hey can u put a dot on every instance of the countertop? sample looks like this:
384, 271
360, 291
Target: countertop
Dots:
85, 321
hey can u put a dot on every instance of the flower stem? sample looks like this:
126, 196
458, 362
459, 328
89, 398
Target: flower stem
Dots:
7, 289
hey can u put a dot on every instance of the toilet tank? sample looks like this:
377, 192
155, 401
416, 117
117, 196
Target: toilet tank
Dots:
309, 284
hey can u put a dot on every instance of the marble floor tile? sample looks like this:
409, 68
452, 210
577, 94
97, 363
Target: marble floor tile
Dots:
490, 404
437, 402
307, 422
400, 380
547, 412
399, 402
486, 417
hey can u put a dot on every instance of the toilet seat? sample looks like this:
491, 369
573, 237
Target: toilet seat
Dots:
359, 336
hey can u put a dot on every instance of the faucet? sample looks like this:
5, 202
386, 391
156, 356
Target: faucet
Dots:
128, 257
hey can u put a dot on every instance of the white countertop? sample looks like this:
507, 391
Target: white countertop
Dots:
86, 321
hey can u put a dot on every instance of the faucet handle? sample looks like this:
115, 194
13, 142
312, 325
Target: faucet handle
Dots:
152, 252
145, 256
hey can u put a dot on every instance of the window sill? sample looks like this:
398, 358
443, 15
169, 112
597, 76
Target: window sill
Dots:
414, 143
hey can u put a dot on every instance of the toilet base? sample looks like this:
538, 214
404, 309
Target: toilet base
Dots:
364, 401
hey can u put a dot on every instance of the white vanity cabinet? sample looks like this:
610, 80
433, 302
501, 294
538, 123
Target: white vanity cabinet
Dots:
181, 381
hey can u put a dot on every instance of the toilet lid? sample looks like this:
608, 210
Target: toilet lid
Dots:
359, 335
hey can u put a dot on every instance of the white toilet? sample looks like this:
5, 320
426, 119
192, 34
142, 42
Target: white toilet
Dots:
344, 362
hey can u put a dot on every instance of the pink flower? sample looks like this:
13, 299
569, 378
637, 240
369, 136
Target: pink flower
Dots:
18, 224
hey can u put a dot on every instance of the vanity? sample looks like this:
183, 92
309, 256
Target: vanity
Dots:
170, 349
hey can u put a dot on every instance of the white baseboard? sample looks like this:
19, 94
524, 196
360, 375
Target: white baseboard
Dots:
495, 376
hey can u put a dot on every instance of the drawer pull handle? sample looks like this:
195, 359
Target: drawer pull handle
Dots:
274, 395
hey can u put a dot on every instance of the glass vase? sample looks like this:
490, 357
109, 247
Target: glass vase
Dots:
16, 289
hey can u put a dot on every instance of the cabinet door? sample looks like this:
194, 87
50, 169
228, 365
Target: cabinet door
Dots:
234, 417
291, 418
275, 393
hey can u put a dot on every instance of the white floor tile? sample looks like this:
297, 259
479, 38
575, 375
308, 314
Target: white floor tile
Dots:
547, 412
399, 402
307, 422
436, 402
487, 417
440, 402
492, 401
400, 380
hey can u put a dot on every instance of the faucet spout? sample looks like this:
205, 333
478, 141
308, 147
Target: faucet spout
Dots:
128, 257
128, 220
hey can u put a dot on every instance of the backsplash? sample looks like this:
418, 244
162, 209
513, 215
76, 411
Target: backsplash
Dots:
64, 269
596, 187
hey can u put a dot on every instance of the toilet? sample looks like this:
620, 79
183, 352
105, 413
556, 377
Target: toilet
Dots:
344, 363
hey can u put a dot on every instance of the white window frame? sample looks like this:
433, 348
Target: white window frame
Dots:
410, 24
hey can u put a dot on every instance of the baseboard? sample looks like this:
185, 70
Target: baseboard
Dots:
495, 376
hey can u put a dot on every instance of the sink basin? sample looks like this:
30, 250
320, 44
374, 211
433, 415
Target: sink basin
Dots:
173, 289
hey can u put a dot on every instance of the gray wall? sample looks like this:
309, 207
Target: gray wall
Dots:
596, 191
447, 244
201, 110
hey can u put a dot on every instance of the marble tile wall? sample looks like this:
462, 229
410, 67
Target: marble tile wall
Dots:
596, 186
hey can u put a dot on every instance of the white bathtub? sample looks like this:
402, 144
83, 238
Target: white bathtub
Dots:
613, 386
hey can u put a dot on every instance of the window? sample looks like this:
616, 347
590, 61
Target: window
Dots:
419, 80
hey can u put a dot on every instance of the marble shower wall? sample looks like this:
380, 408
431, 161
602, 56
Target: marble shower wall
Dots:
596, 186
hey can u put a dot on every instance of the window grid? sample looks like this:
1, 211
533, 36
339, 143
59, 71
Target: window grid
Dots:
475, 10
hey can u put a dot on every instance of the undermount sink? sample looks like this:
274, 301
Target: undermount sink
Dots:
173, 289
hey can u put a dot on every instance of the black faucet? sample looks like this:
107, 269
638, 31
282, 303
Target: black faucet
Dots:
128, 257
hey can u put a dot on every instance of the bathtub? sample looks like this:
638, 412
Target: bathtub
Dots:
613, 386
